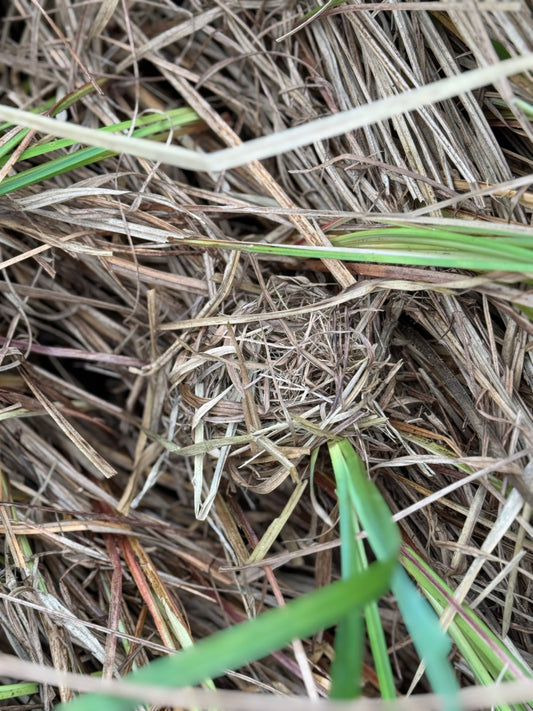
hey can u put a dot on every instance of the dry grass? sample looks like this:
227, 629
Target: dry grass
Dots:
112, 332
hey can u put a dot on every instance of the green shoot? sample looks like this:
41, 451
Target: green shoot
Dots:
429, 639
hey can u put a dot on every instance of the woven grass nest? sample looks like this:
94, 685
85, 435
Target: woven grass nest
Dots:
289, 377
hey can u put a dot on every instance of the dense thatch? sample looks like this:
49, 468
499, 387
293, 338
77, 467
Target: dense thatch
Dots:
112, 332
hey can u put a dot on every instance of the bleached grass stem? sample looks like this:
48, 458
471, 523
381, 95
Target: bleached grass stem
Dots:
474, 697
282, 141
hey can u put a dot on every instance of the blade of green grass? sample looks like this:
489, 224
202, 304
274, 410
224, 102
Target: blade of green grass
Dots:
430, 257
516, 234
380, 655
373, 512
12, 691
52, 108
430, 641
475, 662
525, 107
148, 125
347, 665
496, 660
437, 239
251, 640
159, 123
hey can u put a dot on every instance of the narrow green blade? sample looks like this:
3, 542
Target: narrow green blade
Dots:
251, 640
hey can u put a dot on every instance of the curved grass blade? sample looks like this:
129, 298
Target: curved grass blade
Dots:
436, 240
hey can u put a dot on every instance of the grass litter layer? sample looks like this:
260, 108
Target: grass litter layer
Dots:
161, 404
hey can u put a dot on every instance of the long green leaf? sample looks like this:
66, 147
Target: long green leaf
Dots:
429, 639
151, 125
54, 108
347, 665
382, 255
373, 512
252, 639
496, 658
436, 239
158, 123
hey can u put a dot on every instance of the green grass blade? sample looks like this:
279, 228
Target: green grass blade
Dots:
475, 663
429, 639
436, 240
172, 119
52, 168
525, 107
380, 655
56, 107
149, 126
12, 691
376, 638
53, 108
497, 660
373, 512
427, 258
347, 666
9, 146
515, 234
253, 639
